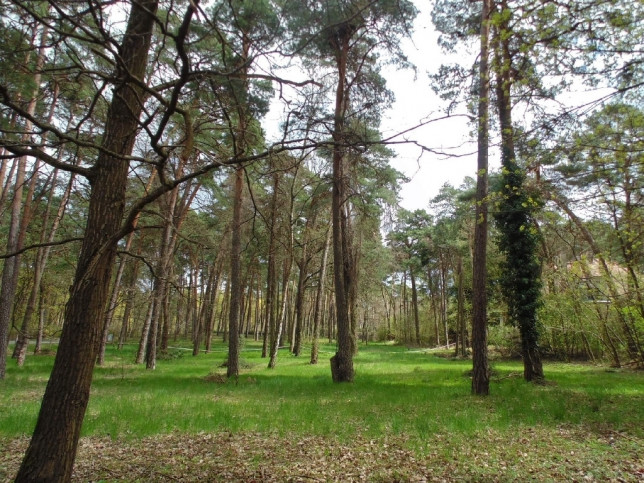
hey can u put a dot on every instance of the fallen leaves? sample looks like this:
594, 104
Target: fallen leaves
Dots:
536, 454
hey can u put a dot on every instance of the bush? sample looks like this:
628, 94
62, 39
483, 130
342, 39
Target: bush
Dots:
505, 339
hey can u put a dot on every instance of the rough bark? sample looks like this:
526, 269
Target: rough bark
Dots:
52, 449
235, 278
480, 371
342, 361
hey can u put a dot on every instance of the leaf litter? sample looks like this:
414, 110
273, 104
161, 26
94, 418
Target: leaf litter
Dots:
566, 453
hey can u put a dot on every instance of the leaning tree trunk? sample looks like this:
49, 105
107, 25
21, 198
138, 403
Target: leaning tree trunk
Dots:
480, 371
20, 350
111, 308
52, 449
10, 268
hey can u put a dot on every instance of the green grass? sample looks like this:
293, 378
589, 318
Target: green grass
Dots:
395, 391
399, 393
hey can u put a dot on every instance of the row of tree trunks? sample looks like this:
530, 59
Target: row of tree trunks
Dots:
19, 215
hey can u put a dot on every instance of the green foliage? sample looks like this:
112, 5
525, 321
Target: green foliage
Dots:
519, 240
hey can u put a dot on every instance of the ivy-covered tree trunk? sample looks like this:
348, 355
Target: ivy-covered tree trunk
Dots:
52, 449
521, 278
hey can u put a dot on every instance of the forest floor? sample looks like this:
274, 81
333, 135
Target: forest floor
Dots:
407, 417
567, 454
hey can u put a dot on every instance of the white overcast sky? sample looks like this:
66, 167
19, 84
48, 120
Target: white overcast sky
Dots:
415, 101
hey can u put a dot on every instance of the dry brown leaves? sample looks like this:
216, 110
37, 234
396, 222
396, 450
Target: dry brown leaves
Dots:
564, 454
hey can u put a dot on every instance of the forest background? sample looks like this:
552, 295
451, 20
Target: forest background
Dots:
142, 200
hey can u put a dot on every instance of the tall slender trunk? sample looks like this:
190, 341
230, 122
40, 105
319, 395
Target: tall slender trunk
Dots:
301, 282
129, 302
145, 332
20, 349
461, 343
235, 278
414, 303
342, 361
271, 276
42, 256
481, 371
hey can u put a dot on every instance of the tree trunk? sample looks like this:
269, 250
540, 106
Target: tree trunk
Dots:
145, 332
111, 307
52, 450
414, 302
461, 349
521, 250
281, 319
42, 257
319, 299
480, 371
232, 369
129, 303
342, 361
301, 282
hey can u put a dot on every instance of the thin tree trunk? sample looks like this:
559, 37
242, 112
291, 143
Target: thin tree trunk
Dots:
281, 319
42, 257
414, 303
111, 308
319, 299
301, 282
235, 278
145, 332
461, 349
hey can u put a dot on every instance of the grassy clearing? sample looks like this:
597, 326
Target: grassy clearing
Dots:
408, 415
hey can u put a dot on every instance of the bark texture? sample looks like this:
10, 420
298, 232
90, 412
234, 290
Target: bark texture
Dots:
52, 450
480, 369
